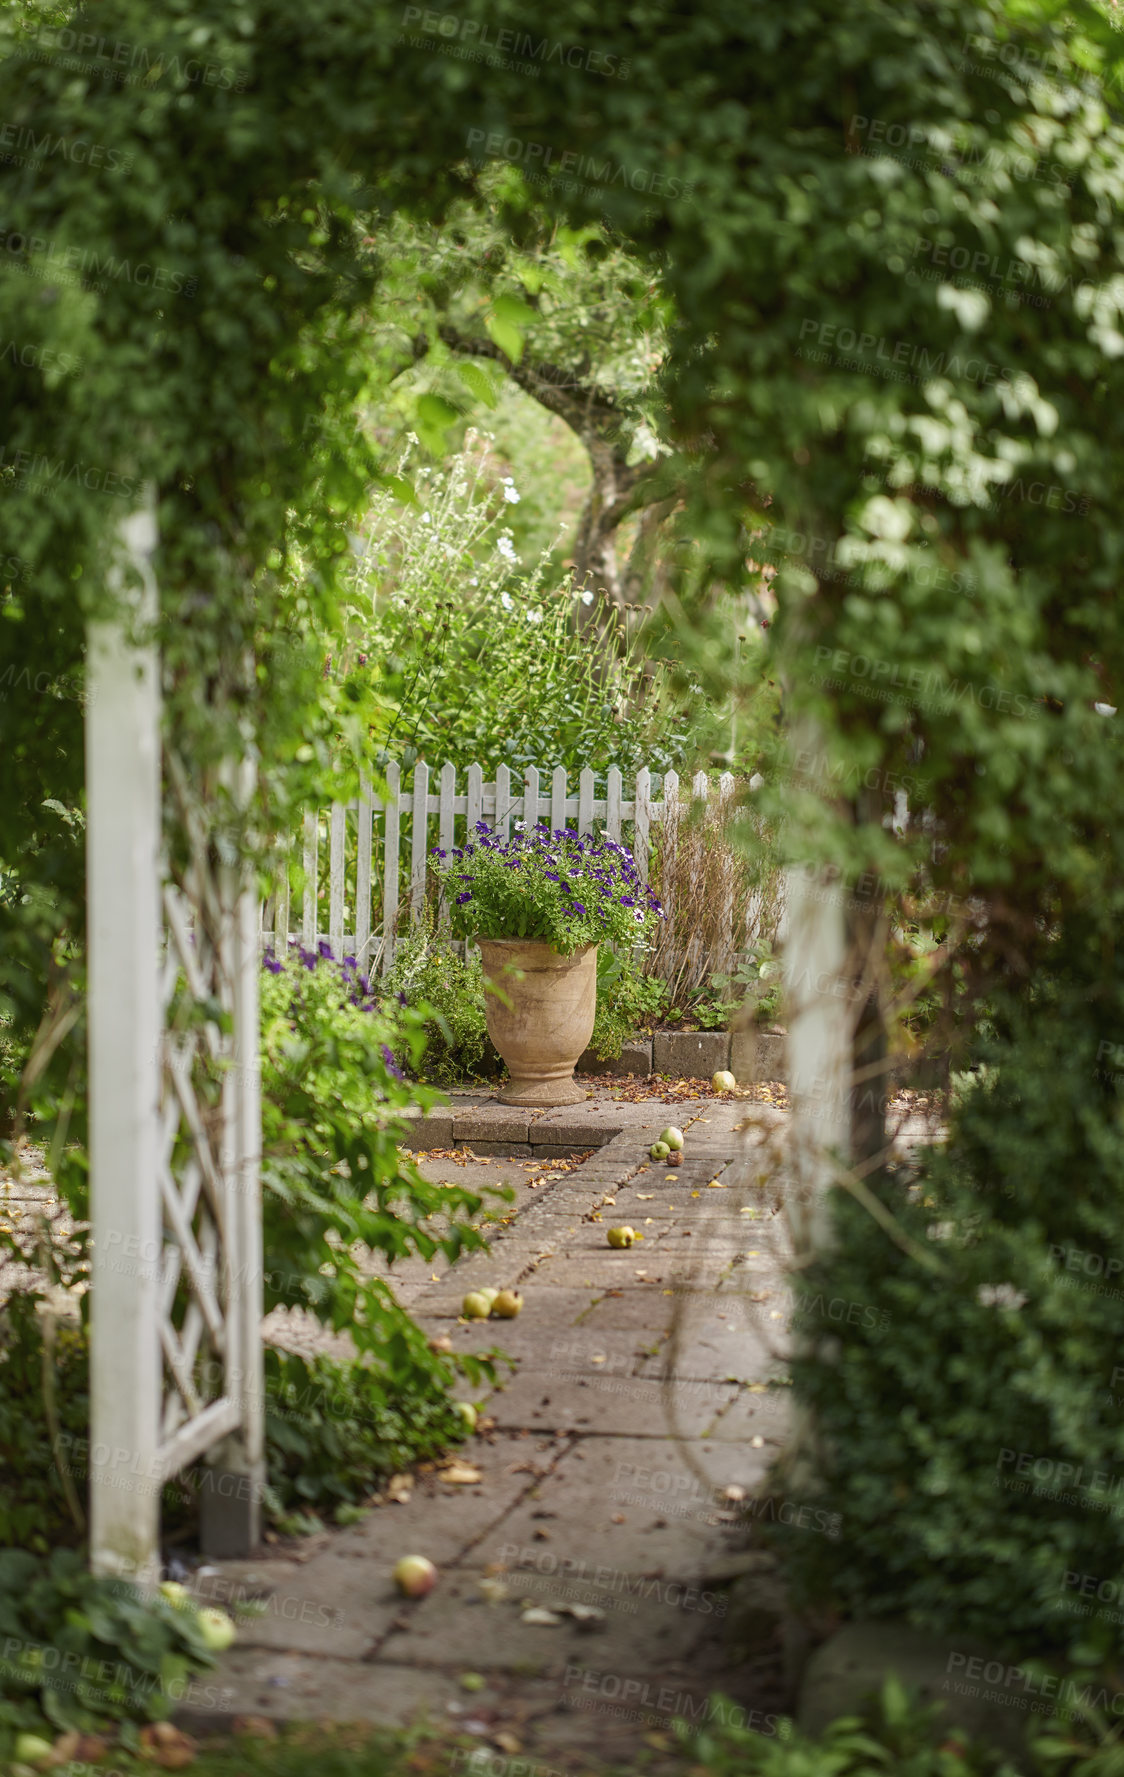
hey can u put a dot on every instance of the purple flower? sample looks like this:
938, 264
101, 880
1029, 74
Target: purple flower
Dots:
325, 949
461, 899
553, 875
392, 1066
401, 997
578, 907
438, 853
271, 963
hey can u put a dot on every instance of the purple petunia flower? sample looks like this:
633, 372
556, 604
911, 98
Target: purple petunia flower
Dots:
392, 1066
578, 907
325, 949
271, 963
461, 899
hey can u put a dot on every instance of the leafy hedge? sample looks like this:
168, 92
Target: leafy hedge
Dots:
970, 1432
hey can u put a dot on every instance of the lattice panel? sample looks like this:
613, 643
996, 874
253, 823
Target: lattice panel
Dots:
200, 1270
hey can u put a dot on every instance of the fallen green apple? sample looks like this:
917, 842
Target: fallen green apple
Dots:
467, 1412
216, 1628
32, 1749
659, 1150
507, 1305
476, 1306
175, 1593
621, 1236
415, 1576
723, 1080
672, 1138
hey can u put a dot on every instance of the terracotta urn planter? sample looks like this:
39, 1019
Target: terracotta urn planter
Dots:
549, 1021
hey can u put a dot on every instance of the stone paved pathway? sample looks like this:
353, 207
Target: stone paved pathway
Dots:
597, 1579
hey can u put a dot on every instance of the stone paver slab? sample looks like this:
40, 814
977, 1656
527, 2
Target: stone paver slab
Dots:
456, 1626
627, 1503
614, 1406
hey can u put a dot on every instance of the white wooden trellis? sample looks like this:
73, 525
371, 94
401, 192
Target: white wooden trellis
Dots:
176, 1284
448, 816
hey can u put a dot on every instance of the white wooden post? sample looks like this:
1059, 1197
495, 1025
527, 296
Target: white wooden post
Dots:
311, 851
585, 800
447, 793
363, 875
503, 802
641, 818
474, 810
819, 1049
418, 841
531, 797
613, 804
123, 928
336, 856
392, 816
231, 1490
558, 799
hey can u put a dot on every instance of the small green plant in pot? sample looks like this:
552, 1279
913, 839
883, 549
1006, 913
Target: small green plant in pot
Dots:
539, 905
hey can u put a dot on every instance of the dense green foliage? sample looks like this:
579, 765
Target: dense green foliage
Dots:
964, 1364
428, 972
899, 1737
89, 1653
443, 618
35, 1514
334, 1430
336, 1183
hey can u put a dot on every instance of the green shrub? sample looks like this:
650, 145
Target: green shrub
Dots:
967, 1393
336, 1182
428, 972
627, 1000
34, 1511
88, 1653
332, 1432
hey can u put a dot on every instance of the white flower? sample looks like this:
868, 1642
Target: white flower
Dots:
506, 600
534, 616
510, 491
426, 518
519, 826
587, 597
506, 547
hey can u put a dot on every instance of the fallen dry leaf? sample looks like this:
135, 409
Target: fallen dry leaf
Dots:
507, 1742
461, 1474
167, 1746
399, 1488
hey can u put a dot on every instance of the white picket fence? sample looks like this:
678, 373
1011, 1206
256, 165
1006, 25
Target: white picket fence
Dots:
367, 849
